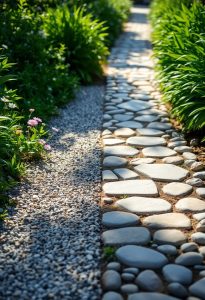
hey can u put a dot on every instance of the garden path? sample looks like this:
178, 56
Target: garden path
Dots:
153, 188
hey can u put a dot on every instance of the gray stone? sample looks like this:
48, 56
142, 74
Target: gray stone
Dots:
190, 204
199, 216
189, 259
141, 257
144, 205
169, 236
112, 296
106, 132
200, 175
176, 273
176, 144
162, 172
147, 118
127, 277
150, 296
107, 200
134, 105
197, 289
201, 226
182, 149
175, 160
195, 182
200, 192
189, 162
124, 132
126, 236
149, 132
114, 266
122, 117
158, 152
198, 237
134, 271
159, 125
143, 160
177, 189
143, 141
119, 219
129, 289
129, 124
114, 161
120, 151
169, 220
167, 249
197, 166
189, 155
148, 280
177, 289
202, 273
111, 280
144, 187
108, 175
189, 247
126, 174
113, 142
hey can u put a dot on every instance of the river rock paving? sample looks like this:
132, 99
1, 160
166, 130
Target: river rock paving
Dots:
153, 224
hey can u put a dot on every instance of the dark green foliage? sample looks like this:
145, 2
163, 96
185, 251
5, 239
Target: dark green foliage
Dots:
179, 46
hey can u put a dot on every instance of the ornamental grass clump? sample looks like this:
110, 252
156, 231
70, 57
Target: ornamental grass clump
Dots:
179, 47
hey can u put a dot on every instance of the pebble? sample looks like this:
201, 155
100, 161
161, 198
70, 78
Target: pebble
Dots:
107, 200
149, 132
195, 182
190, 204
112, 296
182, 149
197, 288
202, 273
129, 288
114, 161
119, 219
124, 132
143, 141
189, 259
134, 271
167, 249
200, 175
122, 117
108, 175
177, 273
126, 174
169, 236
158, 152
200, 192
113, 142
189, 155
114, 266
198, 237
169, 220
197, 166
119, 151
150, 296
159, 125
202, 250
175, 160
199, 216
134, 105
139, 161
176, 189
148, 280
177, 289
189, 247
111, 280
129, 124
128, 277
201, 226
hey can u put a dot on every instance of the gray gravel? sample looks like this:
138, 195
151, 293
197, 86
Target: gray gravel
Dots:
51, 242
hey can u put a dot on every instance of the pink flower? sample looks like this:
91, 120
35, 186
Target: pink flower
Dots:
42, 142
38, 120
32, 122
47, 147
55, 129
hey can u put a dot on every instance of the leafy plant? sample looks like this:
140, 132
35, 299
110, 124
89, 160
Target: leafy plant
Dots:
109, 253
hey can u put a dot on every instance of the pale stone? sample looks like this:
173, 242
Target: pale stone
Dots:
144, 205
114, 161
149, 132
106, 132
126, 236
158, 152
201, 226
143, 160
189, 155
190, 204
200, 192
129, 124
159, 125
120, 151
177, 189
134, 105
176, 144
169, 236
144, 187
146, 118
200, 175
162, 172
143, 141
182, 149
177, 273
198, 237
119, 219
108, 175
175, 160
195, 182
199, 216
124, 132
126, 174
169, 220
112, 142
141, 257
197, 166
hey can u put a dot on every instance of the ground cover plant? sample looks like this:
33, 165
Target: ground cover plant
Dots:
179, 47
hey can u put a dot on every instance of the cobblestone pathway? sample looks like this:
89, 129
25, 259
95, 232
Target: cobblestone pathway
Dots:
153, 189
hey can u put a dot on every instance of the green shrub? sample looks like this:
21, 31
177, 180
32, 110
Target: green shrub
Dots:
179, 46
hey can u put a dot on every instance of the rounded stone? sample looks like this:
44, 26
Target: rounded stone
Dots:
195, 182
198, 237
112, 296
201, 226
143, 141
129, 124
146, 118
127, 277
134, 105
150, 296
200, 175
202, 273
189, 247
197, 289
159, 125
189, 155
158, 152
148, 280
190, 204
169, 236
124, 132
126, 174
200, 192
181, 149
189, 259
141, 257
120, 151
177, 289
129, 289
114, 161
113, 142
143, 160
176, 273
134, 271
202, 251
119, 219
126, 236
175, 160
149, 132
116, 266
122, 117
199, 216
197, 166
111, 280
167, 249
169, 220
177, 189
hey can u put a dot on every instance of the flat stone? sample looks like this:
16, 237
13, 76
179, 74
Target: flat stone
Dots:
201, 226
112, 296
167, 249
162, 172
144, 187
169, 220
189, 155
195, 182
134, 271
108, 175
129, 124
119, 219
176, 273
126, 174
175, 160
126, 236
197, 166
122, 117
150, 296
198, 237
144, 205
159, 125
107, 200
176, 144
143, 141
177, 289
199, 216
200, 192
139, 161
177, 189
189, 247
120, 151
189, 162
189, 259
129, 289
197, 288
113, 266
147, 118
134, 105
141, 257
158, 152
112, 142
182, 149
114, 161
200, 175
149, 132
169, 236
111, 280
190, 204
124, 132
106, 132
148, 280
127, 277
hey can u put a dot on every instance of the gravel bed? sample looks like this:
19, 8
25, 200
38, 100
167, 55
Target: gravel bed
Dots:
50, 245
